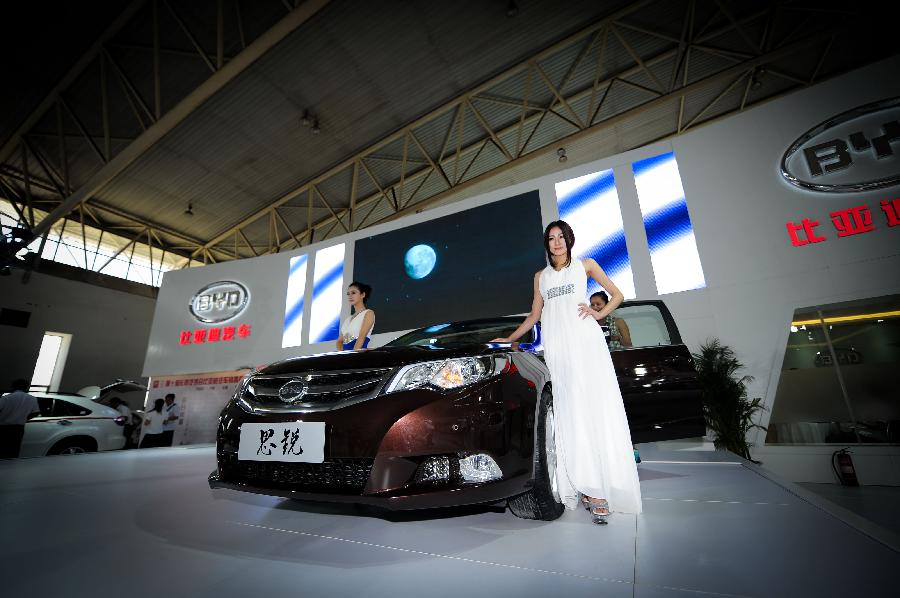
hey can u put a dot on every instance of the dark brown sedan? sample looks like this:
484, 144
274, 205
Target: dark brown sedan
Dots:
438, 417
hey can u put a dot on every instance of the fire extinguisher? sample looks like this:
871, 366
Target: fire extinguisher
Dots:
844, 469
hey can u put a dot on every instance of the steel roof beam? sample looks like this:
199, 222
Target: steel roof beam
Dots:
10, 146
732, 74
183, 109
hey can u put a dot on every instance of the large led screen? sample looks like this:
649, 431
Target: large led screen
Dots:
473, 264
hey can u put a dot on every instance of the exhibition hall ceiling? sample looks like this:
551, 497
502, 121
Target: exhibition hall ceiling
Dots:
277, 124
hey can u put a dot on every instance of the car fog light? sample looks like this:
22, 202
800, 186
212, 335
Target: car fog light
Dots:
434, 470
479, 468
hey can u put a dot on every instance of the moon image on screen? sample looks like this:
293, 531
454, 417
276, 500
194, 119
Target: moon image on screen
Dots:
419, 261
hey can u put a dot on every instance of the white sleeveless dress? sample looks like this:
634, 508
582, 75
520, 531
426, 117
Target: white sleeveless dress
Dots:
352, 326
593, 442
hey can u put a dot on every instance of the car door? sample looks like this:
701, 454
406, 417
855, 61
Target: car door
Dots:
39, 433
58, 419
656, 374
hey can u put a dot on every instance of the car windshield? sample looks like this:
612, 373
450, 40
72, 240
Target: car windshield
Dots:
460, 333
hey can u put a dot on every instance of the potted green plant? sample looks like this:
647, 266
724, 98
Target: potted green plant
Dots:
728, 411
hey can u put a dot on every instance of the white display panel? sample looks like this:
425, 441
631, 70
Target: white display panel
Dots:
670, 235
590, 204
327, 294
295, 300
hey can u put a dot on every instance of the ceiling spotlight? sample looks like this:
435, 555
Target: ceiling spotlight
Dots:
190, 210
315, 127
512, 9
561, 152
756, 78
305, 119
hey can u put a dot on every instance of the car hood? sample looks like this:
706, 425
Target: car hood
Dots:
383, 357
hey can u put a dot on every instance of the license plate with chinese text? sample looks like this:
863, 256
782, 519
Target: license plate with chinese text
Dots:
295, 442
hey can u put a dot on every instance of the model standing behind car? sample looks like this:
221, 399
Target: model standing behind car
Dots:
593, 438
356, 328
619, 334
16, 408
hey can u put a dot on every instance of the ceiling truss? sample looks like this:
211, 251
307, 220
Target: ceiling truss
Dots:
424, 175
711, 63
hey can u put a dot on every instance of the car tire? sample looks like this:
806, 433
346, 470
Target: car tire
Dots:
73, 446
542, 502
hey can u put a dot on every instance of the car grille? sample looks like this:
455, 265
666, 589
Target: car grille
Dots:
321, 391
334, 476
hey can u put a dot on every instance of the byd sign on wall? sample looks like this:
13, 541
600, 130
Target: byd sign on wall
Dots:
856, 150
219, 302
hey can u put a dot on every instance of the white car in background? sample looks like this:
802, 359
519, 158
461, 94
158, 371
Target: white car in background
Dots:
71, 424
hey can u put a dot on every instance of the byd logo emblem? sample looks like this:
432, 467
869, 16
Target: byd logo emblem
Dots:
219, 301
856, 150
293, 391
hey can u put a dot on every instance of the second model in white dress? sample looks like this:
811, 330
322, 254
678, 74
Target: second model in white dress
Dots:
593, 442
350, 329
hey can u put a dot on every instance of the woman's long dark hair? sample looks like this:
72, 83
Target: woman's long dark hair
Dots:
568, 237
158, 405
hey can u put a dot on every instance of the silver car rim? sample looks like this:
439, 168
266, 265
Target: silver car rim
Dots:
72, 450
550, 452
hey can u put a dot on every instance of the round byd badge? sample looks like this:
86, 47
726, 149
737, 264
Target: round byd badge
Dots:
293, 391
219, 302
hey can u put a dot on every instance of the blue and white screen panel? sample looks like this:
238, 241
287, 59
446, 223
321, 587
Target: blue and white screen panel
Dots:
673, 248
294, 302
327, 294
590, 204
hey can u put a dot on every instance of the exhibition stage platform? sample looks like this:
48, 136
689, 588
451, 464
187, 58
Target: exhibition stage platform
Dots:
144, 523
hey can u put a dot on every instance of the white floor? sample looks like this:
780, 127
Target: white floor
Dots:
144, 523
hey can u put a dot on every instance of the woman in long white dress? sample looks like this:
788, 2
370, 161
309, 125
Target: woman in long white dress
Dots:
596, 459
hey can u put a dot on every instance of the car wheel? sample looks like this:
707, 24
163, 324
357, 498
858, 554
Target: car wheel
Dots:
542, 501
73, 446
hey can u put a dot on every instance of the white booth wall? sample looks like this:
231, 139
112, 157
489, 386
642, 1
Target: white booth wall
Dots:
110, 330
739, 206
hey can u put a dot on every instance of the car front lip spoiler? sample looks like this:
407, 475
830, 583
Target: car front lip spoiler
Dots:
451, 497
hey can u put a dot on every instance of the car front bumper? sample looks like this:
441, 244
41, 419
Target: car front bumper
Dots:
374, 449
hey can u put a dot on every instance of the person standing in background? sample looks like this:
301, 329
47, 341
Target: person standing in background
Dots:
172, 412
123, 408
16, 408
619, 334
153, 426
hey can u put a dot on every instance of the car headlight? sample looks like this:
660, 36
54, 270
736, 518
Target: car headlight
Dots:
443, 375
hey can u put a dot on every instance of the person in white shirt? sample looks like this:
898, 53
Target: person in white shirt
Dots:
16, 408
172, 411
153, 426
124, 410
